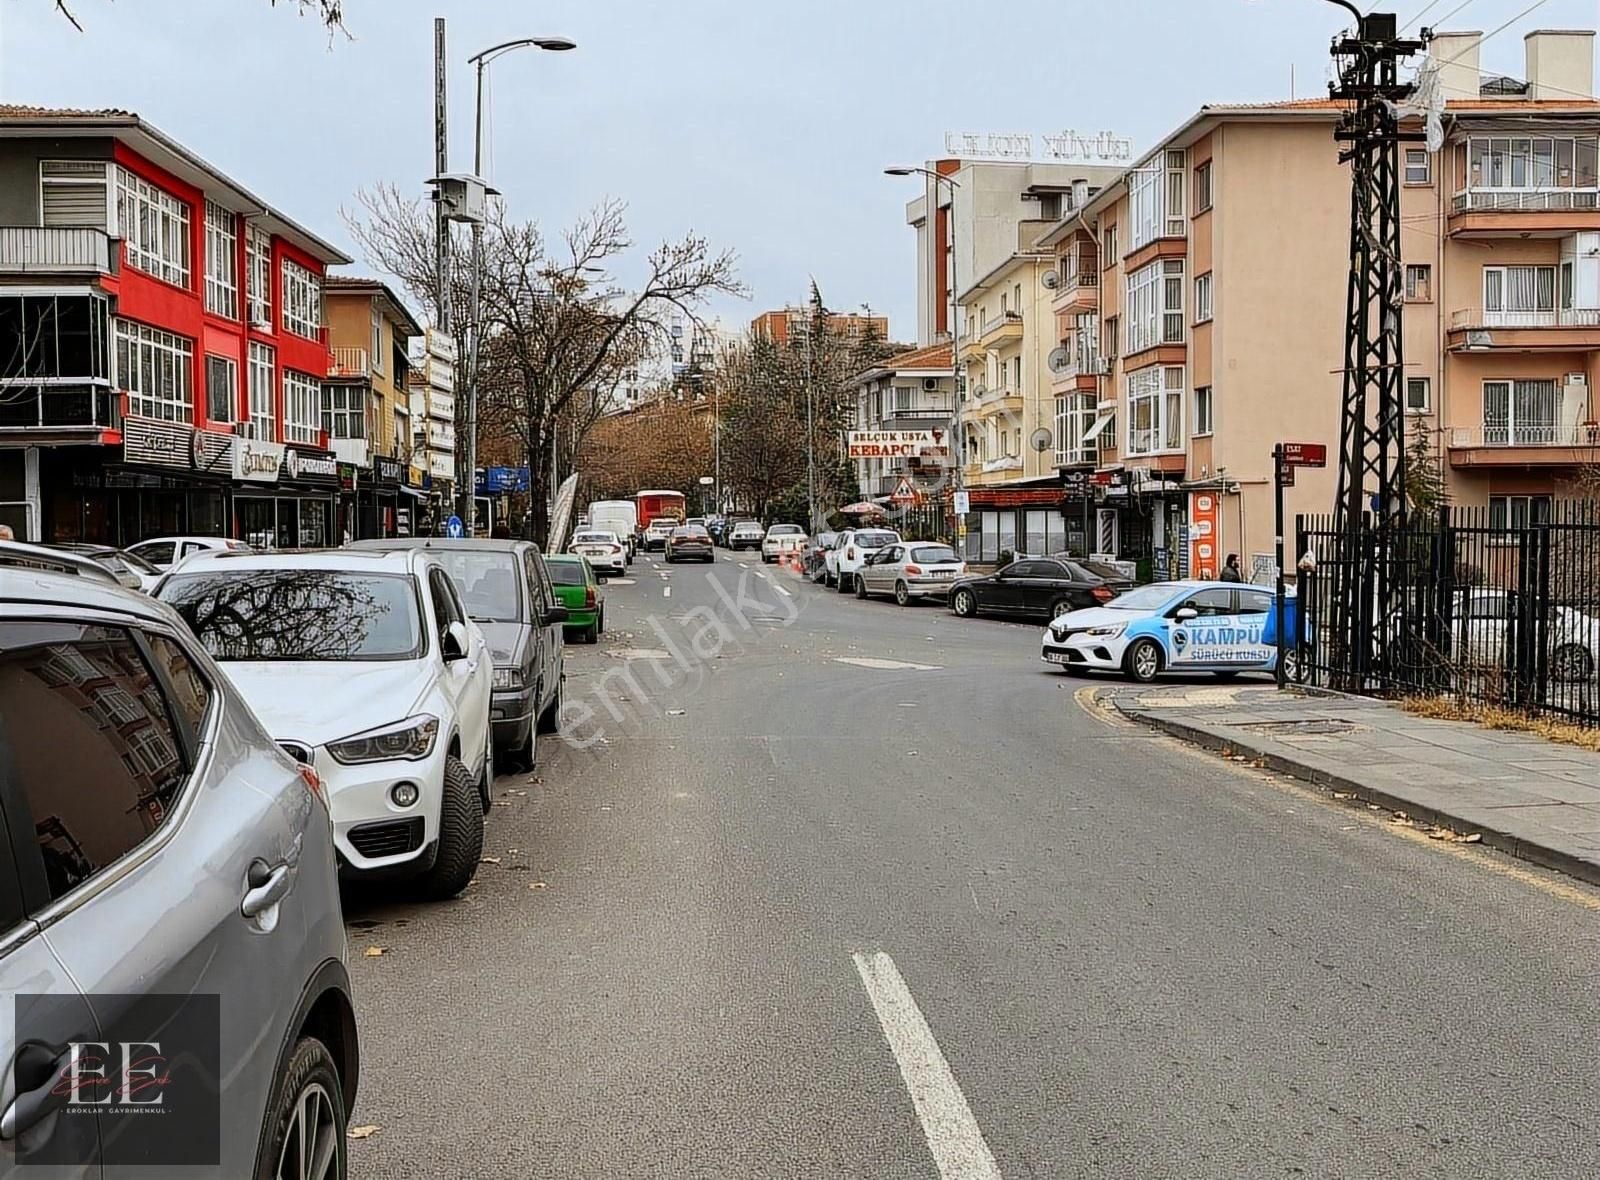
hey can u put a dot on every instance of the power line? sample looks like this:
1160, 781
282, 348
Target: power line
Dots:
1498, 29
1418, 16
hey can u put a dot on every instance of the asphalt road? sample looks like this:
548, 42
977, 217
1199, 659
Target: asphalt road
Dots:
786, 915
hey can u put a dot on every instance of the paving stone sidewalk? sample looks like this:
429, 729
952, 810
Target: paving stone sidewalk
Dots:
1532, 798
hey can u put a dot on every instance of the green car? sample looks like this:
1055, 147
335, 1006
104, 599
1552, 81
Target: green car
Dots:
578, 591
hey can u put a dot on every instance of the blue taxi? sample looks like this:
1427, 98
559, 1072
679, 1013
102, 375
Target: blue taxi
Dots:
1220, 627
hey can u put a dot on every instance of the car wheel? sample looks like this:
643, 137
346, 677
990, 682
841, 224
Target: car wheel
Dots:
1291, 666
306, 1119
486, 779
829, 580
902, 594
1143, 661
964, 603
842, 582
861, 587
460, 835
1570, 662
1061, 606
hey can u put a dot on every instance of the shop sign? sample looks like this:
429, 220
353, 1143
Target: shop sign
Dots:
1074, 483
212, 451
1205, 513
347, 477
898, 444
157, 443
387, 469
315, 468
255, 461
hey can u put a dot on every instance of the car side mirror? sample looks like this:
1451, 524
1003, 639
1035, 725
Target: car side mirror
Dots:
1184, 613
455, 642
556, 614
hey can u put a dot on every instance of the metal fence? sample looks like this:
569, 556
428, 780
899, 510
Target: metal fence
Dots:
1496, 605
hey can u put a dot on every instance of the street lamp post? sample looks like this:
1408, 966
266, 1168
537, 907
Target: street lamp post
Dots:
481, 61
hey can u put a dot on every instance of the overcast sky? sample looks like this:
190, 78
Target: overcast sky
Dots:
763, 124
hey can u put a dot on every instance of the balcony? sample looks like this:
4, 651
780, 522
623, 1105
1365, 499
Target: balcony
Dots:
1079, 291
1003, 329
1560, 329
1538, 442
997, 401
1533, 184
57, 250
350, 450
349, 362
65, 410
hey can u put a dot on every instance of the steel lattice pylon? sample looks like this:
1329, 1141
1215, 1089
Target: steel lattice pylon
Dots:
1368, 577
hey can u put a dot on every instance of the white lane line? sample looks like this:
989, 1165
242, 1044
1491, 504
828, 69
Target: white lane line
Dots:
666, 592
783, 592
957, 1145
886, 665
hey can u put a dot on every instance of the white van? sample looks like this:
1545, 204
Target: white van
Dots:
617, 516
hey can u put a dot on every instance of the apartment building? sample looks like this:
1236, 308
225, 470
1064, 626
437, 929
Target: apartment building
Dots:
433, 419
911, 391
367, 400
789, 322
164, 341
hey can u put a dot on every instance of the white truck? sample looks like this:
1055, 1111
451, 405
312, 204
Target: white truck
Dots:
617, 516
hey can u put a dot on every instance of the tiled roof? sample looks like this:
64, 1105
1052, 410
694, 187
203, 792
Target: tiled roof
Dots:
13, 111
936, 356
1454, 104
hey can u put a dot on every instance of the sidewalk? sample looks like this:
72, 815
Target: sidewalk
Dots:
1532, 798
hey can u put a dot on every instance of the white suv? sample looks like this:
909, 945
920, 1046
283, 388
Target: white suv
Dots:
851, 550
365, 666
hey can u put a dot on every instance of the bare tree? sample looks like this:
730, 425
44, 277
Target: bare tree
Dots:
329, 12
559, 333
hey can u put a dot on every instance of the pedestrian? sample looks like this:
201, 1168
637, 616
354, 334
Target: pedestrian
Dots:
6, 534
1230, 570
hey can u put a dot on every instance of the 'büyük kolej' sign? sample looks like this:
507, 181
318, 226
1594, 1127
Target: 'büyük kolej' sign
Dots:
1065, 147
898, 444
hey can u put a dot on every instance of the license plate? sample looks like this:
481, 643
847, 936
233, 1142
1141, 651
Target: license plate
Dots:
944, 573
1055, 657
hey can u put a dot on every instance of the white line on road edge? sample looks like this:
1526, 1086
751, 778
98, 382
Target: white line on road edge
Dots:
957, 1145
783, 592
666, 592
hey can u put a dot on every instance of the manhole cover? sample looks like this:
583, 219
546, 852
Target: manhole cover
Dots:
1309, 725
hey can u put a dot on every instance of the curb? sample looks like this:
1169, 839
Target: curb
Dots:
1577, 867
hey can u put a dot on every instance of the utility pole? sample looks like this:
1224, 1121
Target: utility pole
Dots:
811, 448
441, 166
1368, 578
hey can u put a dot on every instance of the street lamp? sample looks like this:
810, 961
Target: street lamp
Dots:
958, 433
481, 61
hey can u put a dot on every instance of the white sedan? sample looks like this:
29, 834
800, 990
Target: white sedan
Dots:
604, 549
781, 539
166, 552
364, 666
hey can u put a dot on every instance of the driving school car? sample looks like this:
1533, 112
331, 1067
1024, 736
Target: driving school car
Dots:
1219, 627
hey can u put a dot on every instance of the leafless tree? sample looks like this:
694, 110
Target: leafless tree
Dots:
329, 12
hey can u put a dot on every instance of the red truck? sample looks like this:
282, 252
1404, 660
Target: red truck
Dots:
656, 505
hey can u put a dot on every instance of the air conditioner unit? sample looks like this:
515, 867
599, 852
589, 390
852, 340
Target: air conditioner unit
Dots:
262, 325
929, 384
1051, 280
1576, 379
1479, 338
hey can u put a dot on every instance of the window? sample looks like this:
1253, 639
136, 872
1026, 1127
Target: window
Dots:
156, 369
1209, 604
1204, 410
445, 608
279, 614
1566, 286
302, 300
154, 227
1155, 199
222, 388
263, 393
1005, 304
377, 341
52, 336
72, 192
1110, 350
1419, 168
1519, 294
1202, 187
1532, 163
1108, 244
1074, 418
222, 262
1519, 413
1016, 297
344, 413
1419, 283
1016, 373
1155, 409
97, 784
1202, 298
302, 407
1518, 512
1155, 305
1417, 395
258, 246
1254, 602
191, 695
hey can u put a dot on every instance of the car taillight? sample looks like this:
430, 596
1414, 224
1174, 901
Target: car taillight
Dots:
1101, 594
588, 596
913, 569
312, 780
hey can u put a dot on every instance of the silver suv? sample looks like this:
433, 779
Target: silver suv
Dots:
170, 928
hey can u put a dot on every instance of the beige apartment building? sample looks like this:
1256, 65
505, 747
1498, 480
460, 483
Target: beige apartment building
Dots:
1200, 301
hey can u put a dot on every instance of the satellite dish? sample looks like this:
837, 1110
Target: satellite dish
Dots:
981, 392
1050, 279
1041, 440
1058, 360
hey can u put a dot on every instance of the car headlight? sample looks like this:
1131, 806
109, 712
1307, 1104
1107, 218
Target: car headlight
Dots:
508, 678
412, 739
1106, 632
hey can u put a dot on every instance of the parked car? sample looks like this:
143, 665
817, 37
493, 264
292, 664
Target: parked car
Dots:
507, 592
1035, 587
909, 571
131, 570
747, 534
161, 846
166, 552
1483, 635
816, 555
1220, 627
604, 549
691, 540
24, 555
851, 551
717, 526
780, 539
579, 591
620, 517
365, 666
655, 536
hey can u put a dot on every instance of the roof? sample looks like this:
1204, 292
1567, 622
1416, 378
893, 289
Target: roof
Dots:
1020, 257
358, 284
242, 560
18, 120
482, 544
52, 591
934, 359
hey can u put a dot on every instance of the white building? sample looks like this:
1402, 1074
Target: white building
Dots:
433, 405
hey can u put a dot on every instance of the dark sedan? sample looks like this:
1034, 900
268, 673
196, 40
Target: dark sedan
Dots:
1037, 587
690, 540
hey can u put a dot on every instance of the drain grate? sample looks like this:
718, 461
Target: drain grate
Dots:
1309, 725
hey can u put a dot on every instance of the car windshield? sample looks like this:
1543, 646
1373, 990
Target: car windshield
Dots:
933, 553
1152, 597
307, 615
566, 573
487, 579
876, 538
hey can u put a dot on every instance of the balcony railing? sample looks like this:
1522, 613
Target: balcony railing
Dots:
349, 362
1537, 432
1566, 317
34, 249
57, 407
926, 410
1494, 200
1000, 321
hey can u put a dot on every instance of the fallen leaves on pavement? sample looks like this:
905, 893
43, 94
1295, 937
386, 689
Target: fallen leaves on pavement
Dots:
365, 1132
372, 952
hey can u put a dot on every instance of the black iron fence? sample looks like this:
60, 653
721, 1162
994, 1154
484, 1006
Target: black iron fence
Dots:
1497, 605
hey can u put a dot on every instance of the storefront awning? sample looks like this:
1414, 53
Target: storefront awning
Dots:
411, 491
1093, 432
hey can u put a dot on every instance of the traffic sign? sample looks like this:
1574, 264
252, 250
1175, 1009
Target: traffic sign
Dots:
454, 528
1304, 454
960, 503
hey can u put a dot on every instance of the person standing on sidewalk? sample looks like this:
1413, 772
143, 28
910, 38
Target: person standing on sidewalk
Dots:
1230, 570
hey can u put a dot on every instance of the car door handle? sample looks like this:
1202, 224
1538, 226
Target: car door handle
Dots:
268, 886
30, 1106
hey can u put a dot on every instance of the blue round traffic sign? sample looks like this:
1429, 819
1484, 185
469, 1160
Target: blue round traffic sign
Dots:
454, 528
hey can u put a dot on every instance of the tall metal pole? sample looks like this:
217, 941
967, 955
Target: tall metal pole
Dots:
469, 482
811, 449
441, 166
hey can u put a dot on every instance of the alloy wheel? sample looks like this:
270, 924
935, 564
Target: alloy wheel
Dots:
1145, 661
311, 1140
